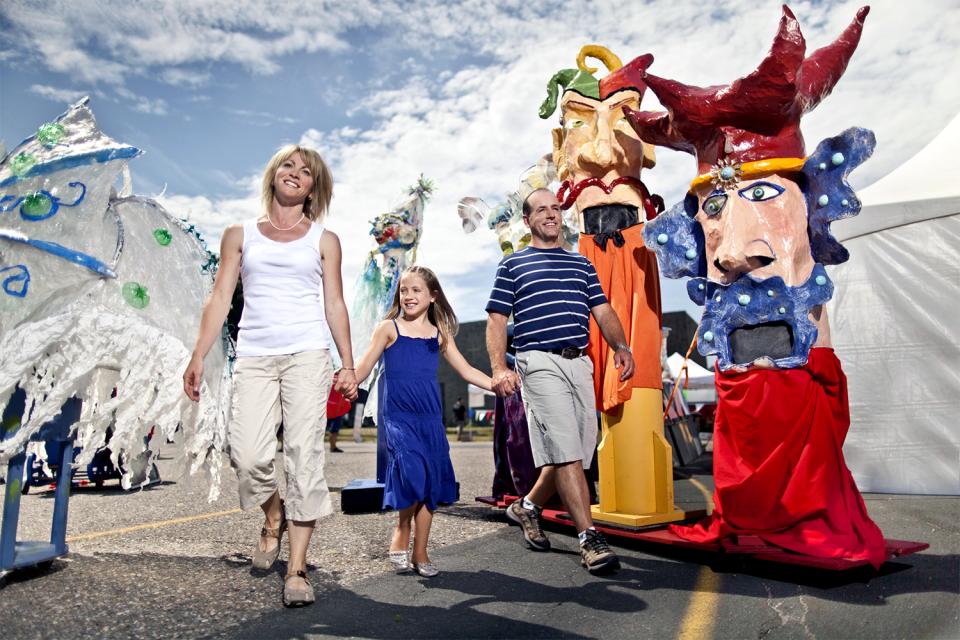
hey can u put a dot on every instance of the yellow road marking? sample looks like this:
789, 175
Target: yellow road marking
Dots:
707, 495
698, 621
150, 525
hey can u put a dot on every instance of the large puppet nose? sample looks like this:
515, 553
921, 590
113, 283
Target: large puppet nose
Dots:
599, 152
741, 250
596, 153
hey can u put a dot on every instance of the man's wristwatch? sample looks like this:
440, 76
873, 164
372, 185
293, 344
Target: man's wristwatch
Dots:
621, 346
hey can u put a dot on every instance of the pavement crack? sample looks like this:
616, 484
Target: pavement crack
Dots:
790, 611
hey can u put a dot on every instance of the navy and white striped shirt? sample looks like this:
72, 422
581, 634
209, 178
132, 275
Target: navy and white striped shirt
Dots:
550, 293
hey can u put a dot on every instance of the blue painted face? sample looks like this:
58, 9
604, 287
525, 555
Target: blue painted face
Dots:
755, 255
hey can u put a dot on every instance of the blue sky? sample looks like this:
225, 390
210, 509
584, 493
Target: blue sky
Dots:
388, 90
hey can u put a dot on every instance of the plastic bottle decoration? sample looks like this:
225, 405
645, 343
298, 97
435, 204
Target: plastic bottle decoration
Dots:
506, 218
100, 291
397, 234
753, 235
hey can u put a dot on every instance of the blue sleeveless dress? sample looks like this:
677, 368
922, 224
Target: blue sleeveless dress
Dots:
411, 422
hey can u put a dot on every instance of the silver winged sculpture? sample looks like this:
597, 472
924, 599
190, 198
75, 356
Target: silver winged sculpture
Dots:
100, 298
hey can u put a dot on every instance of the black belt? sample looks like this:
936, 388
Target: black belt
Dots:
568, 353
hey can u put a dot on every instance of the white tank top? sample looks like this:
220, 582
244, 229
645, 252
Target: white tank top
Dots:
283, 309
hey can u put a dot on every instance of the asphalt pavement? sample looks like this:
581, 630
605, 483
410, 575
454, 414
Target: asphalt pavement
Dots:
165, 563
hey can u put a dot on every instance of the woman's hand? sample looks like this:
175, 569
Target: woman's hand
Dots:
346, 384
192, 377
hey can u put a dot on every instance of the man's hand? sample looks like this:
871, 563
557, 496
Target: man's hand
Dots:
623, 360
345, 383
505, 382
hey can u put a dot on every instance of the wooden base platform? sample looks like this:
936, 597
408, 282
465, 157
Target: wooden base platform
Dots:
744, 546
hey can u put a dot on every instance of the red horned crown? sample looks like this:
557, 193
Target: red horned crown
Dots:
629, 76
755, 119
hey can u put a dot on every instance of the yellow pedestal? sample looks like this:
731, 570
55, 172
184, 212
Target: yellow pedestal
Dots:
636, 465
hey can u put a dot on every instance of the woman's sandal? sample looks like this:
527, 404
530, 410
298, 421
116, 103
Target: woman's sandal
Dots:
263, 560
297, 596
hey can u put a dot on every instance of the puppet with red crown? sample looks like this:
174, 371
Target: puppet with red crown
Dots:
753, 234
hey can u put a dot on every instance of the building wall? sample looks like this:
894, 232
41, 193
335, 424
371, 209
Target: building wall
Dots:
471, 341
682, 329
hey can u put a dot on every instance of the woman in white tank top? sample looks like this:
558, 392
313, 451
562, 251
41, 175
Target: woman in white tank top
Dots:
292, 293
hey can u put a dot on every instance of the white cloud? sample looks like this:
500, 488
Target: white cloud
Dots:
259, 118
185, 77
156, 106
57, 94
210, 217
475, 130
110, 40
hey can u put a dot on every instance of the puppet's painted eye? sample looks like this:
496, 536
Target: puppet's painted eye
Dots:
714, 204
574, 123
760, 191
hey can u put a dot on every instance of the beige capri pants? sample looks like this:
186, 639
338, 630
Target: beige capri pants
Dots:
292, 388
560, 406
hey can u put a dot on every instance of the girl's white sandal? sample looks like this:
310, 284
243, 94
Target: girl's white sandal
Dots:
400, 561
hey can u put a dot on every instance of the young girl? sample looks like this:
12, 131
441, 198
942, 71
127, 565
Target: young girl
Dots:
420, 325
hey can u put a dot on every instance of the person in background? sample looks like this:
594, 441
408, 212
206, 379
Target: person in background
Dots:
459, 417
337, 409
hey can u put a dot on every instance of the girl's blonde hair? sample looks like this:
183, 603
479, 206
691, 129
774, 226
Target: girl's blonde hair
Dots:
315, 206
440, 312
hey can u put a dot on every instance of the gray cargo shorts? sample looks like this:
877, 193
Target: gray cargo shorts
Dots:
560, 405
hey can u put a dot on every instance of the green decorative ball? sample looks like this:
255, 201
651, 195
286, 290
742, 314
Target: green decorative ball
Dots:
162, 236
21, 163
135, 295
36, 205
50, 133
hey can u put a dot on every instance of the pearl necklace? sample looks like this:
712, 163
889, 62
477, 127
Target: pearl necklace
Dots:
302, 216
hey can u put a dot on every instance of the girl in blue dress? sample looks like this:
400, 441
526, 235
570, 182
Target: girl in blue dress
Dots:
420, 326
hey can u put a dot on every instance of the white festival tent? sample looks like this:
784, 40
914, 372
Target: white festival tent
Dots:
895, 320
476, 396
700, 386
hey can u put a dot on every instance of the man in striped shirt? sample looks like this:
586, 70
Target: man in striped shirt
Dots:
551, 294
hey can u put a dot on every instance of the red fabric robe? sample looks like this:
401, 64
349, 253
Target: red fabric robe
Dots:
779, 471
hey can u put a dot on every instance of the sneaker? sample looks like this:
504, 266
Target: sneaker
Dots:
529, 521
596, 555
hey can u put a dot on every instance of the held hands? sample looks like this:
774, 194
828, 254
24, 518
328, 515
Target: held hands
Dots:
192, 377
623, 360
345, 382
505, 382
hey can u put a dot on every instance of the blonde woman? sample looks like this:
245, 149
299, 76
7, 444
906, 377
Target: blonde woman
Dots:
292, 291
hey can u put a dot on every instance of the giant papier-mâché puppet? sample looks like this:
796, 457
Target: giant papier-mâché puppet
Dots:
753, 235
100, 298
599, 158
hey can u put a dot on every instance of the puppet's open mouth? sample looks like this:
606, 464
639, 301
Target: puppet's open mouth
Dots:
772, 340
